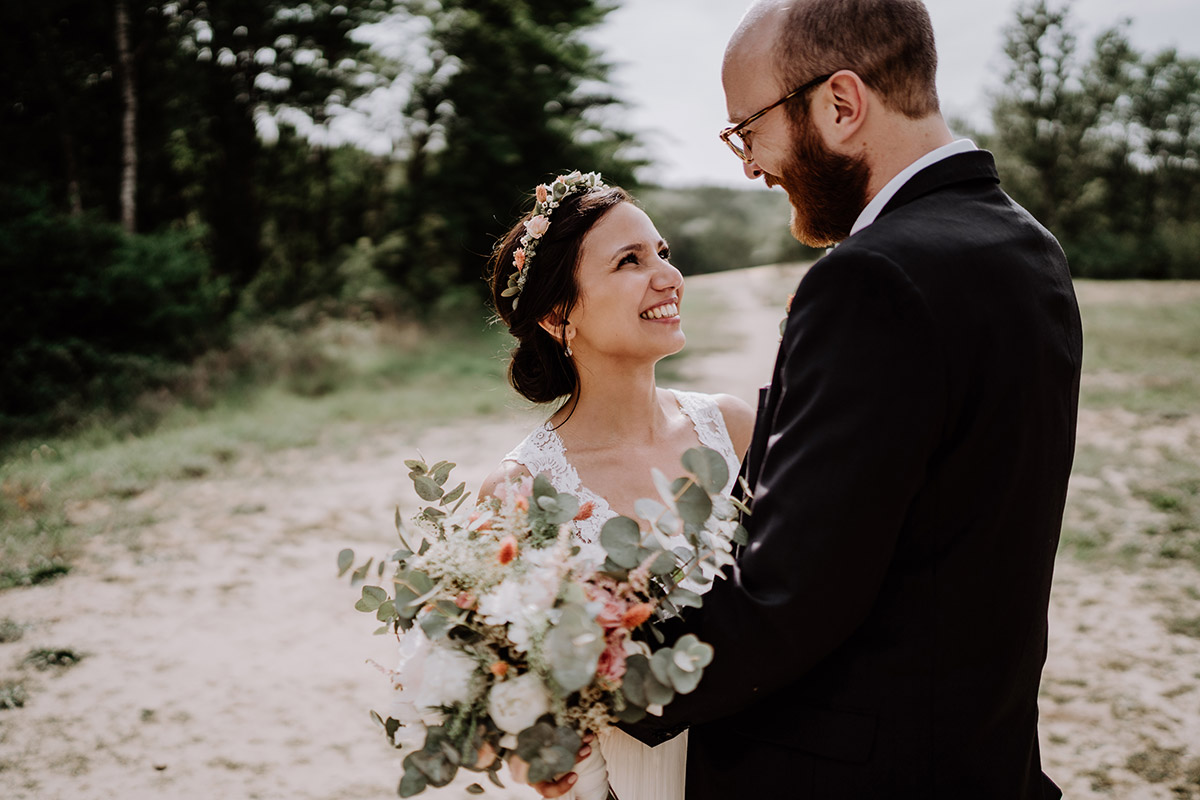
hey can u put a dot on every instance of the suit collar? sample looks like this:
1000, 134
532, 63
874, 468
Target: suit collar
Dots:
971, 166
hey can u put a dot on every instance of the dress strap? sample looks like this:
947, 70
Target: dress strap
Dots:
709, 422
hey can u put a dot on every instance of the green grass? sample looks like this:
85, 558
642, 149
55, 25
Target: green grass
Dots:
335, 387
1143, 357
1136, 498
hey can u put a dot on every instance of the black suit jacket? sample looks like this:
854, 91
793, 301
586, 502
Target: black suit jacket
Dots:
883, 633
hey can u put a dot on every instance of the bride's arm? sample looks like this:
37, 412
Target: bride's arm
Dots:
507, 471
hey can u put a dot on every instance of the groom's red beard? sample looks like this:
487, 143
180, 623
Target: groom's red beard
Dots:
827, 190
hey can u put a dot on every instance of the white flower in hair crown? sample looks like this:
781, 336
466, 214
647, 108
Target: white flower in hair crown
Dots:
549, 195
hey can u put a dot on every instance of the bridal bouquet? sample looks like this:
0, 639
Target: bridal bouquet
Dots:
515, 639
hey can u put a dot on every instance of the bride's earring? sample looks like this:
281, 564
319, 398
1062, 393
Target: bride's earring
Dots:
566, 344
568, 351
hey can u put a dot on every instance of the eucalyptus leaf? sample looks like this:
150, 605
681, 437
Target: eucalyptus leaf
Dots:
375, 716
416, 466
427, 488
663, 564
390, 728
542, 486
440, 472
566, 509
649, 510
386, 611
372, 598
413, 782
572, 649
709, 467
694, 504
438, 766
741, 536
740, 507
663, 485
683, 597
549, 750
640, 685
410, 585
454, 494
474, 788
660, 665
621, 539
494, 777
436, 624
345, 560
631, 713
360, 574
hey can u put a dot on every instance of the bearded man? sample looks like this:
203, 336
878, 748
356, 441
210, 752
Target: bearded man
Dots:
883, 633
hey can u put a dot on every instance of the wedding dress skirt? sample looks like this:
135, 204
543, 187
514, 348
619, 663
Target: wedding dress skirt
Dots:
638, 772
632, 770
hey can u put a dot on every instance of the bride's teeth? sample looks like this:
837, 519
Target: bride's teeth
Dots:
659, 312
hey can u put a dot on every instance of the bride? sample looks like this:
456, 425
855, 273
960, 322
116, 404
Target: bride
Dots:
585, 284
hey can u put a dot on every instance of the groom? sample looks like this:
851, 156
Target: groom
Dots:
883, 633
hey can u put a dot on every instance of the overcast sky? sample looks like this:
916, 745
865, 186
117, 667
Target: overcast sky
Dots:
668, 57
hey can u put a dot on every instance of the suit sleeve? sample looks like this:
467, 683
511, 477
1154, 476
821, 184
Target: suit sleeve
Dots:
860, 410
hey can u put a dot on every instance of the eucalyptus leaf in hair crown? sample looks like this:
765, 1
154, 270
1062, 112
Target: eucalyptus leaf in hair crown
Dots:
549, 195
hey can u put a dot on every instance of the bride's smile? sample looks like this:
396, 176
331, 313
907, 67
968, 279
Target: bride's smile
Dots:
625, 270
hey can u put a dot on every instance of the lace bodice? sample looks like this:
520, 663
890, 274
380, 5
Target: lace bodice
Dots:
543, 451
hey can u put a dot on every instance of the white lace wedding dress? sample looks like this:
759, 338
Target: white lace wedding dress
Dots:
635, 771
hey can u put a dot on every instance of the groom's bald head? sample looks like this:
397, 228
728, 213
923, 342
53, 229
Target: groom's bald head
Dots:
887, 43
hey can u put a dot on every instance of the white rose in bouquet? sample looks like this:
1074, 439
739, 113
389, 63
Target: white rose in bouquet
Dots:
516, 704
431, 675
448, 679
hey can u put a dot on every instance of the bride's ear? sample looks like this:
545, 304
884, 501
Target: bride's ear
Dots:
558, 326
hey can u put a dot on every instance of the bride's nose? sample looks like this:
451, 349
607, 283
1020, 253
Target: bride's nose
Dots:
667, 276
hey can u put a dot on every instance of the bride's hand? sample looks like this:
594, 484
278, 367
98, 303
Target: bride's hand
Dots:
519, 768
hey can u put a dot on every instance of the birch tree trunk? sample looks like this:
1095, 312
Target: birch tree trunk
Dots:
129, 154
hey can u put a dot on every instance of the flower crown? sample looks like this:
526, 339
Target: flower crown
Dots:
549, 195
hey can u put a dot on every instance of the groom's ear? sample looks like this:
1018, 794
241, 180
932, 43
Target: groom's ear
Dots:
843, 108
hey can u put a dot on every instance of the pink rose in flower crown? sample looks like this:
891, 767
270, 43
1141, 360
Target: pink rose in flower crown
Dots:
537, 226
542, 194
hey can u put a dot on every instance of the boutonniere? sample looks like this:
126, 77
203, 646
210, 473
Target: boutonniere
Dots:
787, 309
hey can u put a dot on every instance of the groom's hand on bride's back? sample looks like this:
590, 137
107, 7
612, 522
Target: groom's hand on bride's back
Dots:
520, 772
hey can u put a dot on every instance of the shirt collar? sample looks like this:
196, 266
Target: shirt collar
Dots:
871, 212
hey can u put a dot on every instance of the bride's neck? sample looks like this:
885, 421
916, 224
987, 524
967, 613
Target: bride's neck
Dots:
613, 405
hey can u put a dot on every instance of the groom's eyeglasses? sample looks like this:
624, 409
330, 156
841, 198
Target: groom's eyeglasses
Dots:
741, 148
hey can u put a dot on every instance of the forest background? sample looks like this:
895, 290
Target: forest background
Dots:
176, 219
158, 195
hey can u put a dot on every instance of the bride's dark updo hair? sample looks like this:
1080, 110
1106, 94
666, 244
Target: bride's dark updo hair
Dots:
539, 368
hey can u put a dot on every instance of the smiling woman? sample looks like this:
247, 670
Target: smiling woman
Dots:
593, 309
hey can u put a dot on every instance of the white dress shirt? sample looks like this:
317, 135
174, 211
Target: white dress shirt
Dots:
889, 190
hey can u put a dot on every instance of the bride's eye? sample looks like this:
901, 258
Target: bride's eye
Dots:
628, 258
665, 254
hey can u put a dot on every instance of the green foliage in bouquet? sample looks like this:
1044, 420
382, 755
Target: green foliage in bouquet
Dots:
523, 641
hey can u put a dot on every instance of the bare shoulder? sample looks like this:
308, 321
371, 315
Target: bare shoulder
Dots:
739, 421
507, 471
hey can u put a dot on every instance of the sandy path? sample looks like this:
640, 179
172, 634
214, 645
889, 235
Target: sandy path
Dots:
223, 659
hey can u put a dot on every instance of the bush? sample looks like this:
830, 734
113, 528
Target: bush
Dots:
711, 229
94, 317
